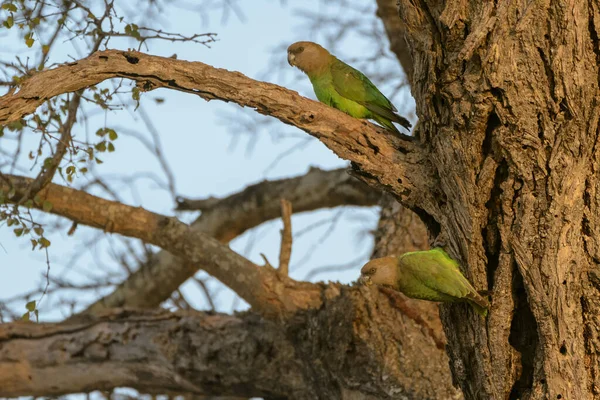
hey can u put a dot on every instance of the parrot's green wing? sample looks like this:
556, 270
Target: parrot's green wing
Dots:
354, 85
436, 270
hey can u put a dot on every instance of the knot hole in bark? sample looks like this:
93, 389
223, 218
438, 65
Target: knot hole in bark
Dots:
523, 337
131, 59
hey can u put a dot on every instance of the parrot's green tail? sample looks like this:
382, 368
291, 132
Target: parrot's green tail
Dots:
483, 311
479, 303
386, 123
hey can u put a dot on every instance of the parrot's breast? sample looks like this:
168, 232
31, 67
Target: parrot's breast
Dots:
326, 93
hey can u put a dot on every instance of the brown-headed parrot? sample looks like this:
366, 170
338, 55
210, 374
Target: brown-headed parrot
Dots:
427, 275
340, 86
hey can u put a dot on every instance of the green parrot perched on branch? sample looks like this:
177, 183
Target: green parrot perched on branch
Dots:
427, 275
340, 86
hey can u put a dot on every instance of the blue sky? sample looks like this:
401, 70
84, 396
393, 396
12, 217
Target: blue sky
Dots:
208, 156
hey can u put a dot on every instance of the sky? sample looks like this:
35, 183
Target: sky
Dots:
209, 153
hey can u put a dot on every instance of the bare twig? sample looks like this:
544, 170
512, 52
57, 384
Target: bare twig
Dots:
46, 175
285, 252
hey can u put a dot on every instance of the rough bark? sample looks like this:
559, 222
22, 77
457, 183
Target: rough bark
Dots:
508, 98
357, 346
227, 218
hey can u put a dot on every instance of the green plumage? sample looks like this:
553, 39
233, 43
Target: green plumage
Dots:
428, 275
340, 86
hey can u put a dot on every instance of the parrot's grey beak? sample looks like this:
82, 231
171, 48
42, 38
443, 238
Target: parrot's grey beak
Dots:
291, 58
365, 280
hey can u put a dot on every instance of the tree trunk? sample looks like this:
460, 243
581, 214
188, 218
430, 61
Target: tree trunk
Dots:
508, 101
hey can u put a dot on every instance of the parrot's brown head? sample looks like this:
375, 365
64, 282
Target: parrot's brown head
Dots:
309, 57
380, 271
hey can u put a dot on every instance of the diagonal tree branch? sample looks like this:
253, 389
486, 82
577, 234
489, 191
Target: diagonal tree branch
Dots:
225, 219
264, 289
387, 11
48, 171
380, 158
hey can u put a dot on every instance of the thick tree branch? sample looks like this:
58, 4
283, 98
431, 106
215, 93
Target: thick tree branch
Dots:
225, 219
382, 159
356, 346
261, 287
154, 352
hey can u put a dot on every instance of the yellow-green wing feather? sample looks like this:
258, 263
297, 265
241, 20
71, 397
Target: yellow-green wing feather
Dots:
436, 270
354, 85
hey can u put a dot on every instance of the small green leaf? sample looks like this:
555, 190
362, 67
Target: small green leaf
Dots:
111, 147
9, 22
25, 316
29, 40
28, 203
9, 7
39, 230
30, 306
112, 135
47, 206
18, 231
44, 242
100, 146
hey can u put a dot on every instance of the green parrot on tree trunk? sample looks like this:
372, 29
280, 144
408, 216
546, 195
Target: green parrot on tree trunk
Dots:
340, 86
427, 275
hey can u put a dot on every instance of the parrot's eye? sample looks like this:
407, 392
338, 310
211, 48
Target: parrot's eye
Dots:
300, 49
372, 271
